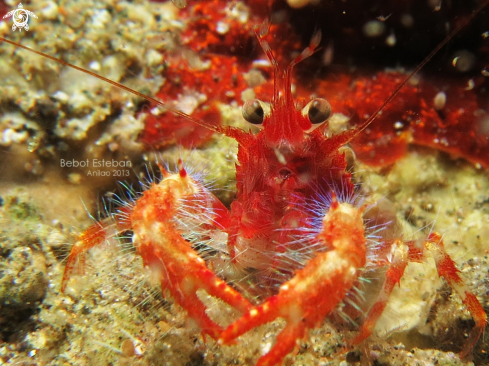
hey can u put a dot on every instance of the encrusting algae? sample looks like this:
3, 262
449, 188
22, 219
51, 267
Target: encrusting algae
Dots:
115, 314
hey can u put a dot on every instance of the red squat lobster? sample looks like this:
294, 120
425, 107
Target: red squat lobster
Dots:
298, 228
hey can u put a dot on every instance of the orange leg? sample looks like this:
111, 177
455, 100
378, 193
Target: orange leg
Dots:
160, 218
303, 302
316, 289
175, 207
410, 251
394, 274
94, 235
446, 268
182, 272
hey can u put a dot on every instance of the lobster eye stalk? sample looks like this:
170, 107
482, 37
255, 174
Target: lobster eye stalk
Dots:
317, 111
255, 111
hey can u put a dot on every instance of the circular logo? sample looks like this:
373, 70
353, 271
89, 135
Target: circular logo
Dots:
20, 17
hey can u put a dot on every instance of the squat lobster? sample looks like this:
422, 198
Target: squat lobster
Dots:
297, 228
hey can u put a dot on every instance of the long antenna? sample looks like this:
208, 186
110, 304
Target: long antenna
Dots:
116, 84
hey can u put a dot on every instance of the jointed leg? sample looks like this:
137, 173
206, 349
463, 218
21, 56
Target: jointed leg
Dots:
401, 254
94, 235
446, 268
394, 274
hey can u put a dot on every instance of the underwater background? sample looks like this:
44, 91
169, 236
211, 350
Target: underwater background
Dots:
67, 139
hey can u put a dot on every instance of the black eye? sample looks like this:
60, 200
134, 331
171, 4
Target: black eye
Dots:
317, 110
253, 112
